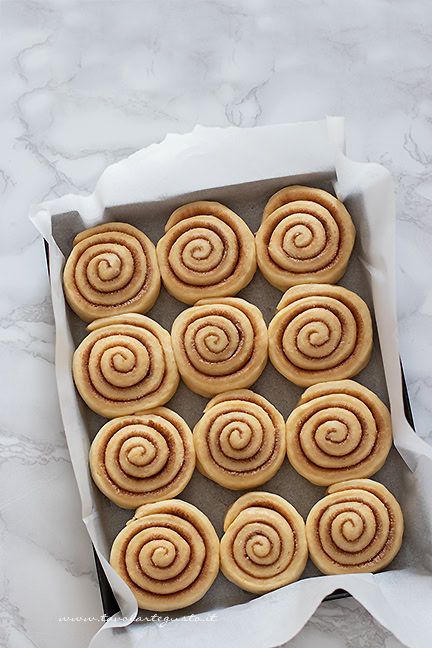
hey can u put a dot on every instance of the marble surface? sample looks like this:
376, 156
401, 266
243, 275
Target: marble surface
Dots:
87, 83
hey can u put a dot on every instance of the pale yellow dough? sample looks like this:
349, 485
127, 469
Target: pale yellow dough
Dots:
143, 458
168, 555
264, 546
339, 430
306, 236
207, 251
240, 440
112, 269
356, 528
126, 364
220, 345
320, 333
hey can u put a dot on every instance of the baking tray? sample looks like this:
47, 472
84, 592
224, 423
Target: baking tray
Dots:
162, 209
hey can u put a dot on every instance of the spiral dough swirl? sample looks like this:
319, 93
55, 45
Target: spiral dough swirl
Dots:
220, 344
126, 364
240, 440
264, 546
339, 430
207, 251
356, 528
306, 236
320, 333
168, 555
112, 269
135, 460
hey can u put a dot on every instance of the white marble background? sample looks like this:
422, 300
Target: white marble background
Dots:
86, 84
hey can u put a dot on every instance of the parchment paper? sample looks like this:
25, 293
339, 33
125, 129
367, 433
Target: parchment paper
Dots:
242, 168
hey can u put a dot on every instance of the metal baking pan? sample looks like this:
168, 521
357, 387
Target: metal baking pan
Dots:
109, 602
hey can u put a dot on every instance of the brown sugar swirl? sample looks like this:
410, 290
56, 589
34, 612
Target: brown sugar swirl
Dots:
168, 555
356, 528
339, 430
320, 333
306, 236
144, 458
112, 269
264, 546
219, 345
126, 364
207, 251
240, 441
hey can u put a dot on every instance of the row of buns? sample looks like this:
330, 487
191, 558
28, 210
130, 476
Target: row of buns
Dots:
169, 553
339, 430
130, 363
208, 251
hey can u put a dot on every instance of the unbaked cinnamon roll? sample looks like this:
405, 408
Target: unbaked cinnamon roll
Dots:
264, 546
168, 555
240, 440
112, 269
306, 236
339, 430
144, 458
320, 333
356, 528
126, 364
220, 344
207, 251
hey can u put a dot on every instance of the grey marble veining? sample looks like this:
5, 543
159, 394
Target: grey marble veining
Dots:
85, 84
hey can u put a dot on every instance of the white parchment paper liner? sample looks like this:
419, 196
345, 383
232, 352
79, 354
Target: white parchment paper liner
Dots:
400, 599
